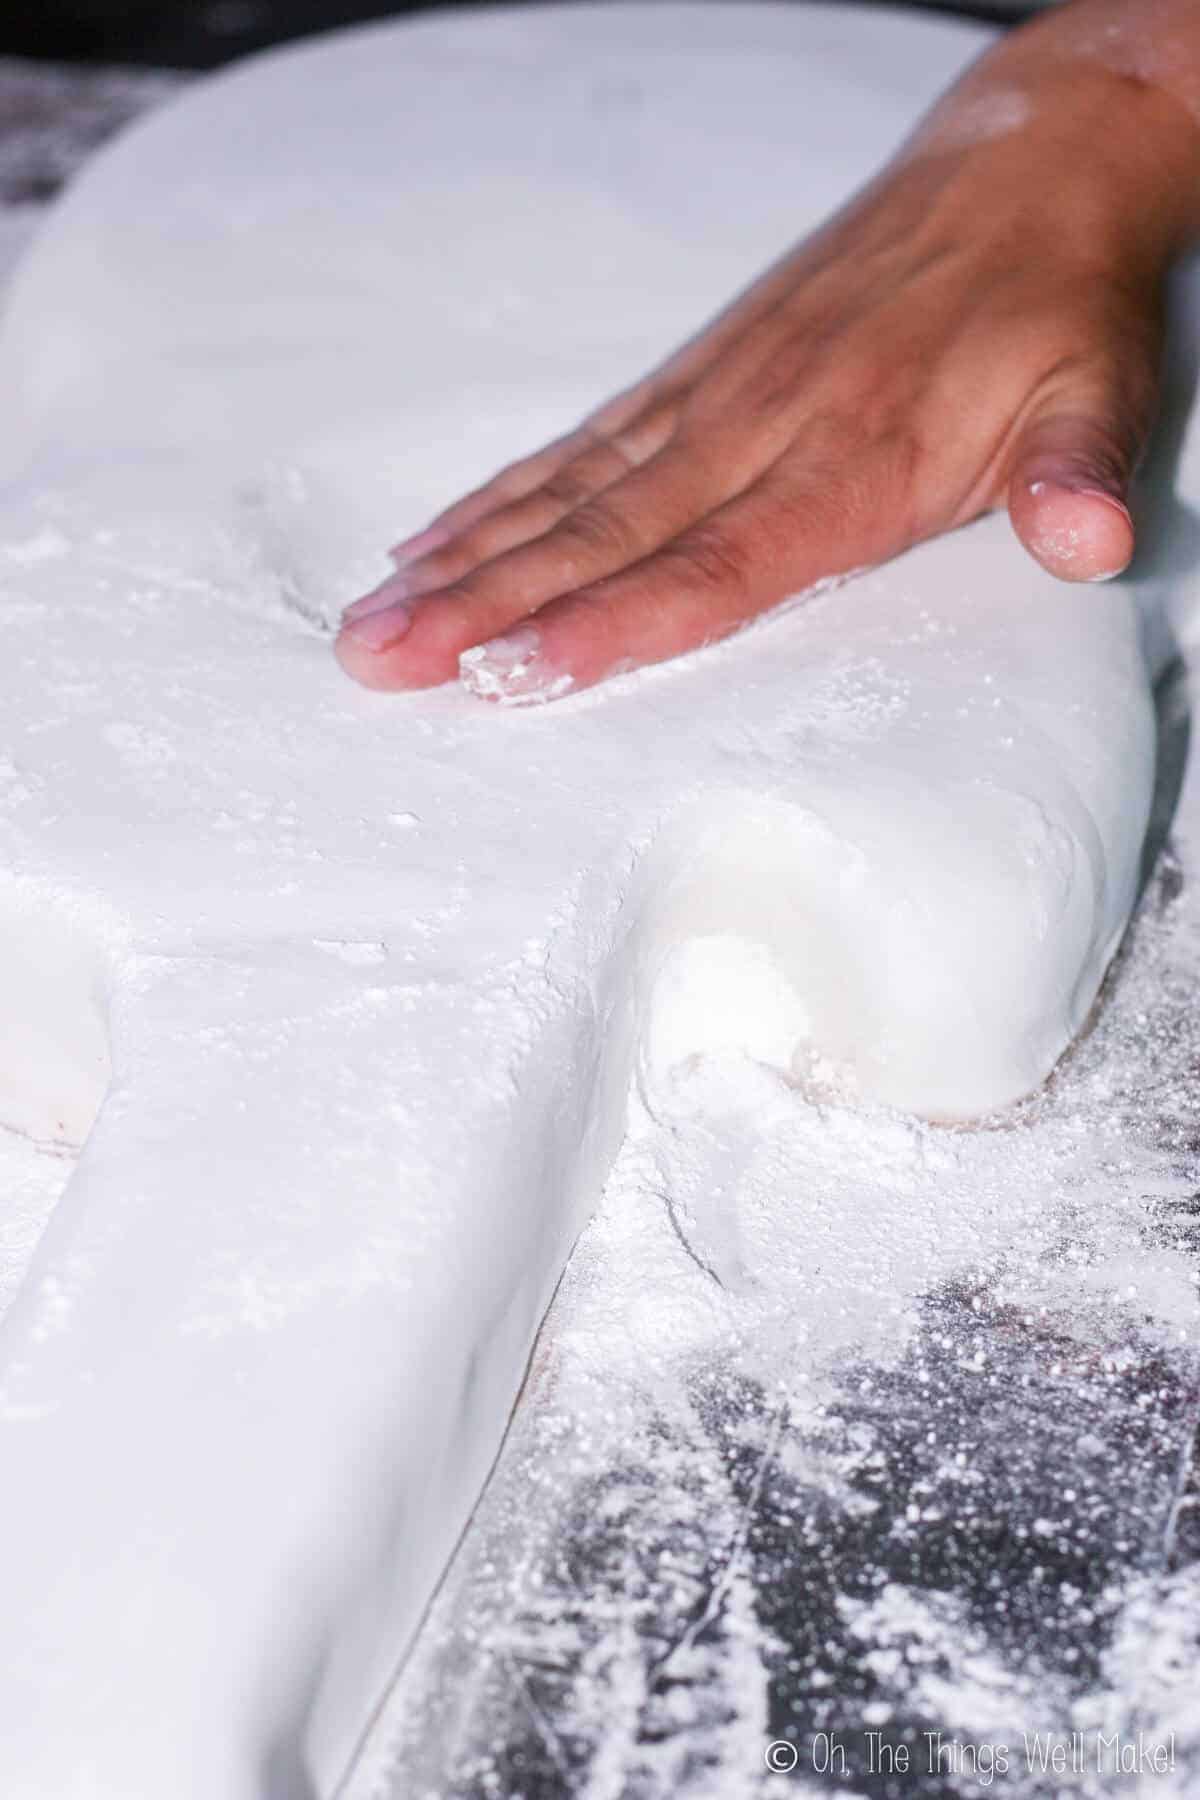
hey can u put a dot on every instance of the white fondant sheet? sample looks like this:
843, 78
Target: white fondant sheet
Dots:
355, 987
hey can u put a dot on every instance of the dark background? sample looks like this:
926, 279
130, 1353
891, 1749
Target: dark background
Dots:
199, 34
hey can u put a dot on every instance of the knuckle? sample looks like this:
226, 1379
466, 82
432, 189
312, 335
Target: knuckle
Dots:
617, 413
800, 517
598, 531
452, 602
713, 558
1106, 455
1090, 437
444, 620
566, 487
616, 457
479, 544
508, 485
1106, 380
441, 567
640, 437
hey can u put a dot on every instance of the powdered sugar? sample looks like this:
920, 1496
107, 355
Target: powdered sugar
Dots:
847, 1425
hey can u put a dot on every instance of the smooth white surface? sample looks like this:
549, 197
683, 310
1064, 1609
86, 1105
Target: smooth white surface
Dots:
365, 980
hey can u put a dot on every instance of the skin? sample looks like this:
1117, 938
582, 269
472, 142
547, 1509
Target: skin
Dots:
981, 327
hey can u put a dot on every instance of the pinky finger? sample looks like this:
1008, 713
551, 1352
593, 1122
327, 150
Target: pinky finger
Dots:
512, 483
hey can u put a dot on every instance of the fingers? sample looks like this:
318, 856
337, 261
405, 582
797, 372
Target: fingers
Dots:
592, 472
626, 432
742, 558
413, 643
642, 415
530, 497
1074, 460
511, 483
441, 553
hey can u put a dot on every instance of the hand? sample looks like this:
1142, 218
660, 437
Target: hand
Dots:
980, 327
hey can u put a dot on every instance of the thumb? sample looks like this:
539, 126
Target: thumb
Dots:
1067, 494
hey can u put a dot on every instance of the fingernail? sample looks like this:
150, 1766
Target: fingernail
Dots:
510, 670
392, 592
420, 544
1113, 500
1083, 490
378, 630
1118, 506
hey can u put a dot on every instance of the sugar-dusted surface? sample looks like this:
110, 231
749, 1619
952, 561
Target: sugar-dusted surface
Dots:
368, 1070
847, 1426
51, 121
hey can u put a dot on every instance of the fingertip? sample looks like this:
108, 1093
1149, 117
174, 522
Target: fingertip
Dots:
370, 668
388, 666
406, 646
1076, 533
390, 593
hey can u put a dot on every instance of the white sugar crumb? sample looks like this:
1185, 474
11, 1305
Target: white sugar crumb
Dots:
1058, 543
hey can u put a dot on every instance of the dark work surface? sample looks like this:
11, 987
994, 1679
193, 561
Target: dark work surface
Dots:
200, 34
699, 1580
52, 119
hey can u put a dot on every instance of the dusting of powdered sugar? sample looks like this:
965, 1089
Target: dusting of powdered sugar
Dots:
511, 671
845, 1424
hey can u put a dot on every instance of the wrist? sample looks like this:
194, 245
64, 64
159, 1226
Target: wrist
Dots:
1111, 156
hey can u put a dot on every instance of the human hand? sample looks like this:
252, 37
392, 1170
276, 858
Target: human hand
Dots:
980, 327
